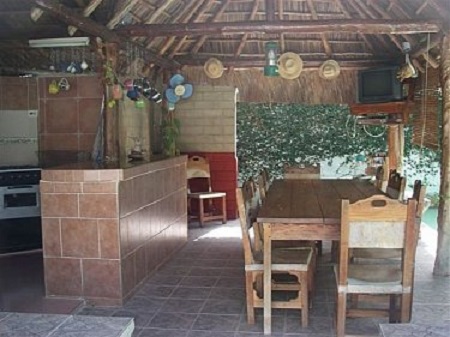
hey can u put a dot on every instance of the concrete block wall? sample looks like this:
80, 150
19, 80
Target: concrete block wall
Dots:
208, 129
208, 120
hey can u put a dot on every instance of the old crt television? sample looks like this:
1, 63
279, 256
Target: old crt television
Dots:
379, 85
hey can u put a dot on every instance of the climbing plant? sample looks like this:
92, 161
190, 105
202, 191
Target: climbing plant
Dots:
270, 135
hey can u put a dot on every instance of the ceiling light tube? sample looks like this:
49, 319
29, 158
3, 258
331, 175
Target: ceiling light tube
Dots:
60, 42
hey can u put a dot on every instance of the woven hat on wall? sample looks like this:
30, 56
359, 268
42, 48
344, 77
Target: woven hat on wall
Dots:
290, 65
329, 70
213, 68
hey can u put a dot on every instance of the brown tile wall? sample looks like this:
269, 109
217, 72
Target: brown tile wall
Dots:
18, 93
68, 120
105, 231
152, 221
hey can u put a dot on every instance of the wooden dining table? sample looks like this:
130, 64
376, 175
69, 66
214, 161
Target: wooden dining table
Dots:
304, 210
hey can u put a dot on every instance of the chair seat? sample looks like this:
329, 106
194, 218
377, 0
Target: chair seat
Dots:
370, 278
207, 195
377, 253
297, 259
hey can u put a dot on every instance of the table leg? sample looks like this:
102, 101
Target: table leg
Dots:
267, 279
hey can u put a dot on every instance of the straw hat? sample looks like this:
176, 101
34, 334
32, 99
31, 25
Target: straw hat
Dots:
329, 70
213, 68
290, 65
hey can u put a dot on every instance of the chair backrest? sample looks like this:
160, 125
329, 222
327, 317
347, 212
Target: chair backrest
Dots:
262, 187
379, 177
266, 175
419, 192
298, 173
396, 185
198, 167
378, 222
246, 223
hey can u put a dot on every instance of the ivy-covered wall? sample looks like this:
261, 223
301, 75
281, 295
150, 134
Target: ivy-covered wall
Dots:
269, 135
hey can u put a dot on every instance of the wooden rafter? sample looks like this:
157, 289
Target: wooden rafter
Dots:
363, 15
421, 7
127, 6
348, 16
245, 36
91, 27
429, 58
370, 26
159, 11
324, 38
216, 16
183, 18
270, 10
204, 8
373, 15
445, 12
87, 11
280, 17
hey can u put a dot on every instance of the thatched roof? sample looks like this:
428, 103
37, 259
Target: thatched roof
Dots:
173, 29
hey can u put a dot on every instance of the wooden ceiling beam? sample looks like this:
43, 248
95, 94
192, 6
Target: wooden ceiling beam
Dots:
421, 7
91, 27
348, 16
184, 17
245, 36
280, 4
363, 15
260, 62
371, 26
203, 9
429, 58
87, 11
217, 16
270, 10
441, 10
127, 6
372, 15
324, 38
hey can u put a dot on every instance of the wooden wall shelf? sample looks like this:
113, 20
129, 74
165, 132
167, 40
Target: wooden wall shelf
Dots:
402, 108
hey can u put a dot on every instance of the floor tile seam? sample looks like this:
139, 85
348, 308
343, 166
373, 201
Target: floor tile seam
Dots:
58, 326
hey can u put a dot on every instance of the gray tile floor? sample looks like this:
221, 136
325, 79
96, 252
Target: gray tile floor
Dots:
200, 293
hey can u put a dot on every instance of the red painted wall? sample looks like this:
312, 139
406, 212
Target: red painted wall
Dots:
223, 167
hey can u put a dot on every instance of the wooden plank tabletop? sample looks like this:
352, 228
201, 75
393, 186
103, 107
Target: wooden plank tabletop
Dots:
311, 201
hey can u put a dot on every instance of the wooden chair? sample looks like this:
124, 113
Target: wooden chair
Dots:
396, 185
380, 255
296, 172
198, 171
383, 223
296, 262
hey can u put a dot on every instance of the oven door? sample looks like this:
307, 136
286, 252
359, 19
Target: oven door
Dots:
19, 202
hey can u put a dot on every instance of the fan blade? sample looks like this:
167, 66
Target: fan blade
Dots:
171, 97
189, 90
171, 106
175, 80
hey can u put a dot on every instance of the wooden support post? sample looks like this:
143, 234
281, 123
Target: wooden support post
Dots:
393, 146
111, 116
442, 262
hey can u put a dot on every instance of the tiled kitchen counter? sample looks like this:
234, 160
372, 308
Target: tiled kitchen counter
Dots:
46, 325
106, 230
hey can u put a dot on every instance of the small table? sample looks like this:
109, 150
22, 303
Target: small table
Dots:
304, 210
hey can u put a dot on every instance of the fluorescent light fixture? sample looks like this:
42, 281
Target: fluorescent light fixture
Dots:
60, 42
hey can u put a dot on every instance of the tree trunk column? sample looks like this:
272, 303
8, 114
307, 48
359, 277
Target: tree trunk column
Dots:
442, 262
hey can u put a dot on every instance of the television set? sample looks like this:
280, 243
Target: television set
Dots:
378, 85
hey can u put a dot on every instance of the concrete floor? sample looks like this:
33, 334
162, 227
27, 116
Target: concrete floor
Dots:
200, 292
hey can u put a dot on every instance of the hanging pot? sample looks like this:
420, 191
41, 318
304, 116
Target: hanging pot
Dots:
53, 88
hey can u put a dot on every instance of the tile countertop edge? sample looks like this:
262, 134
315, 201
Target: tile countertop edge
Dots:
65, 325
86, 171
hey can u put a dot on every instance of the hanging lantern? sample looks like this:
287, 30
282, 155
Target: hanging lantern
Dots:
271, 67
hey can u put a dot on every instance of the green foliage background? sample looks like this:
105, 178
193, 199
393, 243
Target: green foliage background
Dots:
269, 135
